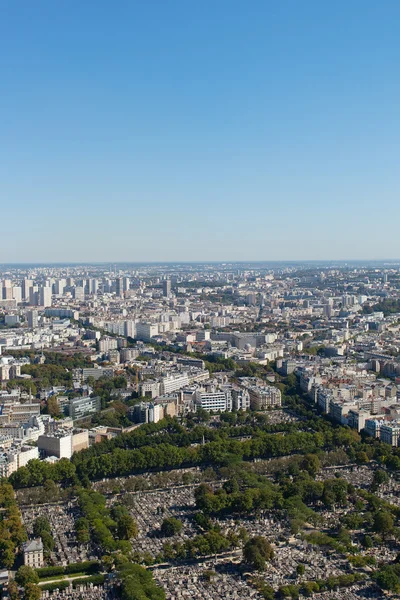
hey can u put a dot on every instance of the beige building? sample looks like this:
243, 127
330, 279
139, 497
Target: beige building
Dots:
33, 553
17, 412
262, 397
80, 440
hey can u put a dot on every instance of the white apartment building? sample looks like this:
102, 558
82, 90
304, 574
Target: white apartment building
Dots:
373, 427
108, 343
130, 329
171, 383
150, 388
15, 456
214, 400
390, 433
146, 331
45, 296
57, 444
156, 413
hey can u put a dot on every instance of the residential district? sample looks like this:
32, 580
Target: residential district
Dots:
200, 431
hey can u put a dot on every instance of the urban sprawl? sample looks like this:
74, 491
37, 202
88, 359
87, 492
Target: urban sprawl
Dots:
198, 431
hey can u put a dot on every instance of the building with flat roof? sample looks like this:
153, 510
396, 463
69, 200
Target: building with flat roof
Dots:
63, 443
82, 406
213, 400
95, 372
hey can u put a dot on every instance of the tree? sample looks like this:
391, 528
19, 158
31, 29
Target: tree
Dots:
311, 464
51, 490
267, 592
107, 562
126, 528
13, 590
388, 578
335, 492
40, 525
42, 529
257, 551
48, 541
309, 587
171, 527
26, 575
53, 407
368, 541
383, 523
289, 591
32, 592
362, 458
300, 570
7, 553
82, 530
138, 584
380, 478
203, 415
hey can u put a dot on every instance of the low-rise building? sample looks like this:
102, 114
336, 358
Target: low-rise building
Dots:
33, 553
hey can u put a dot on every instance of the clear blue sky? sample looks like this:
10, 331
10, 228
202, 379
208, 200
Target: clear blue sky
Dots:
199, 130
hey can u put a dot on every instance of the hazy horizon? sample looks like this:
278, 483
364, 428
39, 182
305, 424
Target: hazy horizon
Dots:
109, 263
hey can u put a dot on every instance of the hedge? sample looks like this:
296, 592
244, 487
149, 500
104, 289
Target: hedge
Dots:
90, 566
49, 571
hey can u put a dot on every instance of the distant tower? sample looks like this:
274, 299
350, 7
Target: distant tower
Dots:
119, 290
32, 317
94, 285
126, 284
166, 287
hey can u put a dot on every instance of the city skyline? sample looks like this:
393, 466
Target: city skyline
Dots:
145, 400
199, 300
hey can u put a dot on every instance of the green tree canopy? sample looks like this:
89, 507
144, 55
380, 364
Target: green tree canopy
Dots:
170, 527
257, 551
26, 575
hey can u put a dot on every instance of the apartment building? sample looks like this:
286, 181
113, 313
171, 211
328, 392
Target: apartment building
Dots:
173, 382
95, 372
213, 399
264, 396
82, 406
146, 331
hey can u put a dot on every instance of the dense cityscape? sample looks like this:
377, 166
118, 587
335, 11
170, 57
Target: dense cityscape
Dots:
199, 300
208, 430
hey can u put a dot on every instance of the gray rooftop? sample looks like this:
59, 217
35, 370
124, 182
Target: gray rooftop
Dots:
33, 545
